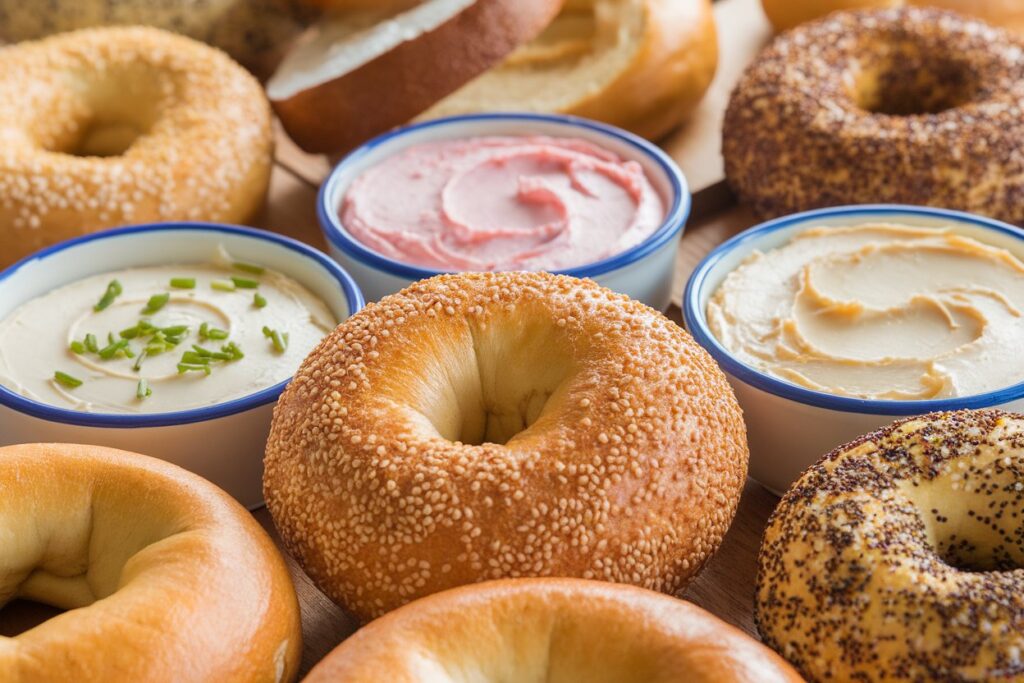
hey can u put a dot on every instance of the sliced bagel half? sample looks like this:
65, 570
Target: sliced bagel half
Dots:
362, 73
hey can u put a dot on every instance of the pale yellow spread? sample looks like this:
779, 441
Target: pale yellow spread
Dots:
35, 339
878, 311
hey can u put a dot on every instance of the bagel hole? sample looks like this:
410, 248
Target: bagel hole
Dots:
500, 387
19, 616
912, 82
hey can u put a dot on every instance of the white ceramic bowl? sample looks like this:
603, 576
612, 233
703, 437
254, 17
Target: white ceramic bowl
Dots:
224, 442
643, 272
790, 427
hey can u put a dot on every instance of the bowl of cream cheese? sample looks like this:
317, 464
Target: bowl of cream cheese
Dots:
832, 323
507, 191
173, 340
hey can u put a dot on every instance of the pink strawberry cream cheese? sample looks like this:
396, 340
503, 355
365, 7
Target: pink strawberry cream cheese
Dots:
502, 203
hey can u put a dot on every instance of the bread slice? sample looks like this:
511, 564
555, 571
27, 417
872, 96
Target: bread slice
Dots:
366, 72
639, 64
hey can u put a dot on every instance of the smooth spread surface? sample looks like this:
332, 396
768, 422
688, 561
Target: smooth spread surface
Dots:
495, 425
878, 311
502, 203
899, 557
35, 339
551, 631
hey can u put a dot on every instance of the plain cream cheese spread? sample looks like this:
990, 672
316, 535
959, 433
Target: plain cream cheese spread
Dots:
502, 203
38, 339
878, 311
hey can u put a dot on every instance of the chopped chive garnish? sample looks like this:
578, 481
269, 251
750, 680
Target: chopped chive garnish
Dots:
78, 347
156, 302
244, 282
258, 301
207, 332
137, 365
183, 282
232, 350
223, 285
279, 340
91, 344
185, 367
110, 338
67, 380
143, 390
248, 267
114, 290
130, 332
174, 330
116, 348
201, 351
193, 358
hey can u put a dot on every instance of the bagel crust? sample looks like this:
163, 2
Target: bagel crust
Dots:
897, 557
196, 126
503, 425
908, 106
551, 629
785, 14
164, 576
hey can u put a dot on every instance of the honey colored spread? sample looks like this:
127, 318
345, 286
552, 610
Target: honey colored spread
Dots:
878, 311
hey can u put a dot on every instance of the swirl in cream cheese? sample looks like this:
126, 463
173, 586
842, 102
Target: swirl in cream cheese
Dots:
878, 311
502, 203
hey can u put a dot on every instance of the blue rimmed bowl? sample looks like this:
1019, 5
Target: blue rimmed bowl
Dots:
643, 272
223, 442
789, 426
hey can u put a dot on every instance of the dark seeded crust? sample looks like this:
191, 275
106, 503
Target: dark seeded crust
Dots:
631, 474
396, 86
851, 586
794, 139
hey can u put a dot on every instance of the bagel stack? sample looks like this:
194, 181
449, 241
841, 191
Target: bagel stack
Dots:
642, 65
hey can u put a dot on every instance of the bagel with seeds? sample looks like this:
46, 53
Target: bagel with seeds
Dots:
502, 425
785, 14
121, 126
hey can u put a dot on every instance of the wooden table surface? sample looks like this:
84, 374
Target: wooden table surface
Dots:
725, 586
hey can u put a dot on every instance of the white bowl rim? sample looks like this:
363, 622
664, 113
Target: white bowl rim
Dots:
673, 223
696, 322
43, 411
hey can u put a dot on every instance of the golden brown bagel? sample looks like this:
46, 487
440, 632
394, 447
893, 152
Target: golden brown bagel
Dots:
902, 106
363, 73
643, 66
898, 557
107, 127
555, 630
785, 14
502, 425
165, 577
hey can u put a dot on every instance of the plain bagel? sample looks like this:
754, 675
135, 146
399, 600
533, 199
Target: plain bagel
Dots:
363, 73
785, 14
553, 630
165, 578
114, 126
502, 425
897, 557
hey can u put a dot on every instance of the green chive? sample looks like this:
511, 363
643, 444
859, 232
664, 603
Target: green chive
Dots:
67, 380
244, 282
143, 390
91, 344
183, 282
279, 340
184, 367
114, 290
258, 301
248, 267
130, 332
175, 330
201, 351
223, 285
116, 348
78, 347
232, 350
156, 302
137, 365
193, 358
207, 332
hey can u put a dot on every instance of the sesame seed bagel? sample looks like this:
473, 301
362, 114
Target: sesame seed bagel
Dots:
486, 426
785, 14
105, 127
552, 630
164, 576
912, 106
898, 557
